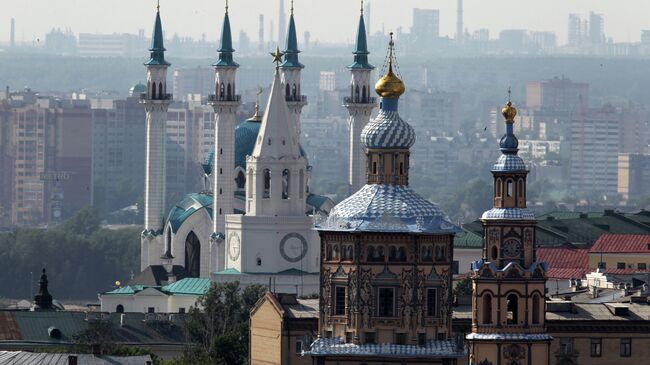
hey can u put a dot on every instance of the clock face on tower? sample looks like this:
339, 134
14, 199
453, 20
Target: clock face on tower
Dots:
234, 246
512, 248
293, 247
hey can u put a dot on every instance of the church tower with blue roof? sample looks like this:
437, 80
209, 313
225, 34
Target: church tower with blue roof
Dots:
360, 105
156, 101
386, 258
225, 101
508, 303
290, 73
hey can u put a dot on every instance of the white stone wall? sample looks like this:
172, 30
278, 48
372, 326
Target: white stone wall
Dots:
201, 224
359, 116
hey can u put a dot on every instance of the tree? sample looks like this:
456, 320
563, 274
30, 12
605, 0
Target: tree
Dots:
217, 328
84, 222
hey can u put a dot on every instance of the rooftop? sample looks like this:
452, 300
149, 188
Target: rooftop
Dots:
22, 358
337, 347
622, 243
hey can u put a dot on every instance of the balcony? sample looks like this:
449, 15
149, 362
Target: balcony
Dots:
224, 98
164, 97
359, 100
296, 98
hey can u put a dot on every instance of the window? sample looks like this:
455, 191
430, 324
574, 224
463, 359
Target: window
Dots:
286, 180
267, 184
487, 309
339, 301
566, 345
298, 347
400, 338
626, 347
641, 266
602, 265
427, 253
455, 267
119, 309
432, 301
386, 302
509, 189
151, 310
495, 252
536, 309
370, 337
422, 339
181, 310
620, 265
376, 254
441, 253
596, 347
259, 261
513, 309
348, 337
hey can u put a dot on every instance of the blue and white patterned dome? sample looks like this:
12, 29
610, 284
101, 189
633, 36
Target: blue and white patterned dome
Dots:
388, 208
509, 213
388, 131
509, 162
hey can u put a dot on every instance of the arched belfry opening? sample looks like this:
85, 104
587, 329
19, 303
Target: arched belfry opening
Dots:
193, 255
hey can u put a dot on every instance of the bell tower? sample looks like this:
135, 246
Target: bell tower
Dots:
508, 301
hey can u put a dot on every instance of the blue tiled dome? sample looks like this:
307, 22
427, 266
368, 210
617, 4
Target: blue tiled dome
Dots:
388, 208
508, 162
509, 213
388, 131
191, 204
245, 138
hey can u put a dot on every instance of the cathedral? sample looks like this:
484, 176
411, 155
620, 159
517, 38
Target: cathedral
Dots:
252, 223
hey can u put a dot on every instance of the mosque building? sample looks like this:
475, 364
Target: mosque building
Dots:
386, 258
252, 221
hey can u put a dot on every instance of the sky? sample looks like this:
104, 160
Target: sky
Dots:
329, 21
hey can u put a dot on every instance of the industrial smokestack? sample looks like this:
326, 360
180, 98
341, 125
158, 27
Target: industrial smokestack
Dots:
261, 34
459, 22
12, 36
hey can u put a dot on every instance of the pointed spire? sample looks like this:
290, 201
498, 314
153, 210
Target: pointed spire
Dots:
43, 299
225, 49
157, 43
291, 51
361, 50
277, 136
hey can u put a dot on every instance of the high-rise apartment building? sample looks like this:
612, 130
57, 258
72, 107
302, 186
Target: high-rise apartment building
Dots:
426, 24
560, 94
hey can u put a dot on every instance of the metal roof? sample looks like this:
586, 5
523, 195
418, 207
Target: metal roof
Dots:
191, 286
30, 358
337, 347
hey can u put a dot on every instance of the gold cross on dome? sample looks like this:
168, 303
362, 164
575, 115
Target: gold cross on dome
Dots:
277, 57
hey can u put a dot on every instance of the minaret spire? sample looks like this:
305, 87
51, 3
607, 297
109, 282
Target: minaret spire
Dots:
225, 48
157, 42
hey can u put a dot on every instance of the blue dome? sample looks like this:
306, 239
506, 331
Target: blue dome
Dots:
245, 138
388, 208
509, 163
191, 204
388, 131
509, 213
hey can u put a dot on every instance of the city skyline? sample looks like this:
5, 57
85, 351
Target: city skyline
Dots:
194, 18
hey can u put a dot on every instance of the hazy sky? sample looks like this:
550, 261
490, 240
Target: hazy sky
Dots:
327, 20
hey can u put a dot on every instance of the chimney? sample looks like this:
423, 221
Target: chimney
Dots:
72, 360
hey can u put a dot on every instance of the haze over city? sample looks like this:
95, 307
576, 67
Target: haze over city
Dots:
323, 19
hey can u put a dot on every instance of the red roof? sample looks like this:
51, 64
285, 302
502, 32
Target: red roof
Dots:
564, 257
566, 274
622, 243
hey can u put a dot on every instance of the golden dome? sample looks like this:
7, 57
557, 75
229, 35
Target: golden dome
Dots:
509, 112
390, 86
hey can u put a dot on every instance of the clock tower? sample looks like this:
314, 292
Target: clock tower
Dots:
508, 302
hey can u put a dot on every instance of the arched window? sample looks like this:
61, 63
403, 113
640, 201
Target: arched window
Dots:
153, 91
335, 252
161, 95
222, 91
356, 93
294, 92
119, 308
328, 253
286, 184
513, 309
267, 184
287, 91
509, 189
487, 309
495, 252
228, 93
499, 188
301, 176
520, 188
374, 167
536, 309
401, 254
401, 168
240, 181
364, 97
193, 255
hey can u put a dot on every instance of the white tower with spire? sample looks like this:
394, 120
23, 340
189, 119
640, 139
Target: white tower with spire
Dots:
290, 71
360, 105
225, 102
156, 102
274, 239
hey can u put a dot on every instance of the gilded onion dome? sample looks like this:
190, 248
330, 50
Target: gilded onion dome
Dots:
388, 130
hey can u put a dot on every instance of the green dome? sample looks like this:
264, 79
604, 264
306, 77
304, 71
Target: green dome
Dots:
137, 89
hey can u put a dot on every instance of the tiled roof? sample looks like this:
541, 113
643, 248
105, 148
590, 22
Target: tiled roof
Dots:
304, 309
388, 131
388, 208
25, 358
468, 239
567, 273
334, 347
622, 243
509, 213
508, 162
564, 257
510, 336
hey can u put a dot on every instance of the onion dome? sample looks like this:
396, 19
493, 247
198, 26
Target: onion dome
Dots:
388, 130
509, 144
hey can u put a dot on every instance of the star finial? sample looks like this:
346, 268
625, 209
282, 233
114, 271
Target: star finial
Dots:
277, 57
